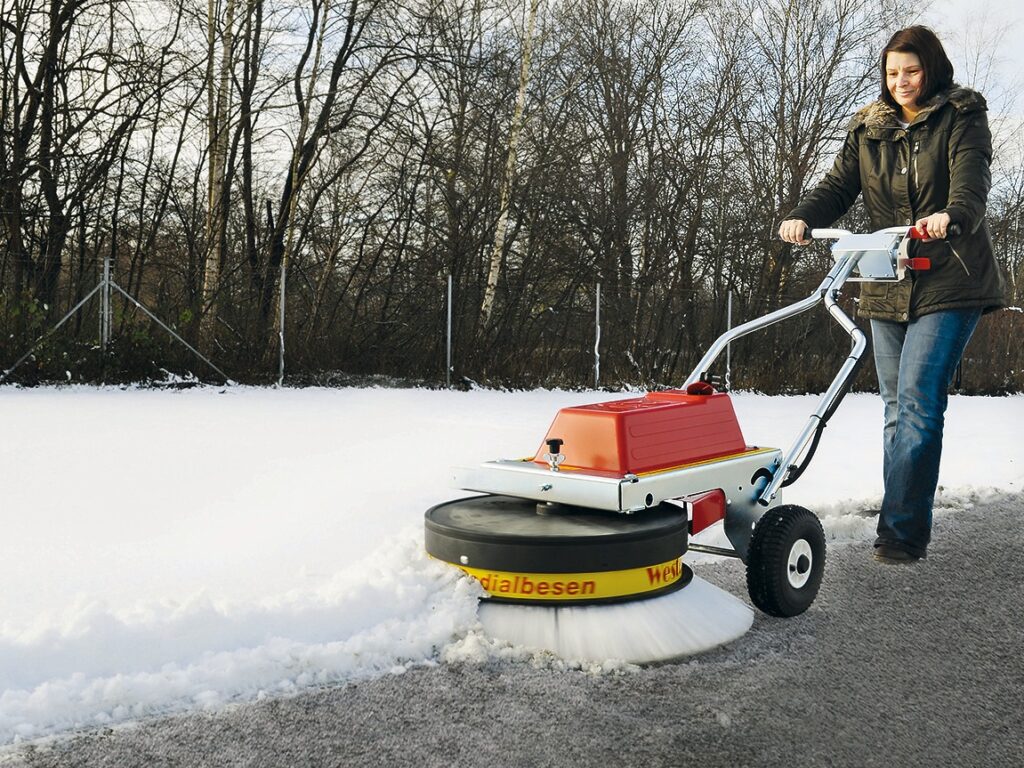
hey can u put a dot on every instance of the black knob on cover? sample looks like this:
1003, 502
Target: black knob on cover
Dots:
555, 445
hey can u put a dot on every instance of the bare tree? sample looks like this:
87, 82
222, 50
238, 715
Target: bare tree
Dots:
218, 89
809, 66
77, 88
362, 64
501, 228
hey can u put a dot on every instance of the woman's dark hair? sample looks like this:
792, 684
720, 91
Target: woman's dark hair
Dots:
938, 71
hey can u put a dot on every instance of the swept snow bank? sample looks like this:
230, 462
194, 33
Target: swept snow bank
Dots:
101, 666
164, 551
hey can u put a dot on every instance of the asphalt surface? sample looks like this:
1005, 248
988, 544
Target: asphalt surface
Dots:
918, 665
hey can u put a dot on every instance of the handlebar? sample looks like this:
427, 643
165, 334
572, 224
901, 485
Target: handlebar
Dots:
953, 230
828, 234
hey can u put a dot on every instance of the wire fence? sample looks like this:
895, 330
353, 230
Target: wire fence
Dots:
584, 339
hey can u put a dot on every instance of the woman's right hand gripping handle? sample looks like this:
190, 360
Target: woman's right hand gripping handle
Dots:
795, 231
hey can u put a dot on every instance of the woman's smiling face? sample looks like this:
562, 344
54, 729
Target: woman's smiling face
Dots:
904, 77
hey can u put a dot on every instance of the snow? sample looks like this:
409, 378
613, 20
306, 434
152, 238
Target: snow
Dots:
173, 551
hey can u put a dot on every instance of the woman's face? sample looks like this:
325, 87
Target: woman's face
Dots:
904, 77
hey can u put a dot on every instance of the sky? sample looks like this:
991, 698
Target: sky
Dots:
985, 28
173, 551
983, 41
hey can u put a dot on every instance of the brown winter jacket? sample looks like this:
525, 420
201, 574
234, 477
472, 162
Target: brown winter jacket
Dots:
940, 162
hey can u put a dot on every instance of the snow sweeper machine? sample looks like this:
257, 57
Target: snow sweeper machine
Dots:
603, 512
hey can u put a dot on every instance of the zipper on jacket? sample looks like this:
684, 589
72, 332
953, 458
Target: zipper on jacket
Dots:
966, 270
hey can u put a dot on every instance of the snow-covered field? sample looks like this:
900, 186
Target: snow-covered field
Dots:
166, 551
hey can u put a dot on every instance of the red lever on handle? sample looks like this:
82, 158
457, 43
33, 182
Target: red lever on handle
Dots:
920, 263
918, 234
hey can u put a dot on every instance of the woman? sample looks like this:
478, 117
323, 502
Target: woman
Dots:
921, 155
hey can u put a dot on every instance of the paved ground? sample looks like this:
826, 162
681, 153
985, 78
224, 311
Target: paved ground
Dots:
892, 666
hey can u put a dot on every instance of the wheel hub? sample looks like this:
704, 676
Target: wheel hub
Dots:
798, 568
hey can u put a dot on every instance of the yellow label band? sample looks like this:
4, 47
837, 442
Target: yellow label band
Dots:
578, 586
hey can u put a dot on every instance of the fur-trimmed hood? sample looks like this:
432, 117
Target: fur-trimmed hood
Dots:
878, 114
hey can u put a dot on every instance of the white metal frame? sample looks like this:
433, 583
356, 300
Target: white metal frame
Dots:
526, 479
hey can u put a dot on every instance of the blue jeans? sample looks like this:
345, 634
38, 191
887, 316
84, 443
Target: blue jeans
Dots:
915, 362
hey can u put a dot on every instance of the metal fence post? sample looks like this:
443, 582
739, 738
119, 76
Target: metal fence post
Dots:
105, 305
597, 338
105, 288
110, 307
280, 358
448, 345
728, 347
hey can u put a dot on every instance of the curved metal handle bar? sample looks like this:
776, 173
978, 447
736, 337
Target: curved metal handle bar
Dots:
836, 276
827, 292
830, 399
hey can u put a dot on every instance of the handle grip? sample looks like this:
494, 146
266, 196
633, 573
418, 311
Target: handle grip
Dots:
828, 234
953, 230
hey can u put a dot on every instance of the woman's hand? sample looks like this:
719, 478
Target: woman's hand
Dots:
935, 226
796, 231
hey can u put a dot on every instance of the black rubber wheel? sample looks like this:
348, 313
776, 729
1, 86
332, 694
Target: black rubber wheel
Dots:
785, 561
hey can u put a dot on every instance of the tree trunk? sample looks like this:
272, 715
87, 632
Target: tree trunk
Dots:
217, 187
498, 251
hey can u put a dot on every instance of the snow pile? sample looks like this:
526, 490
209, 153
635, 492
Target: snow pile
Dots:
170, 551
100, 665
